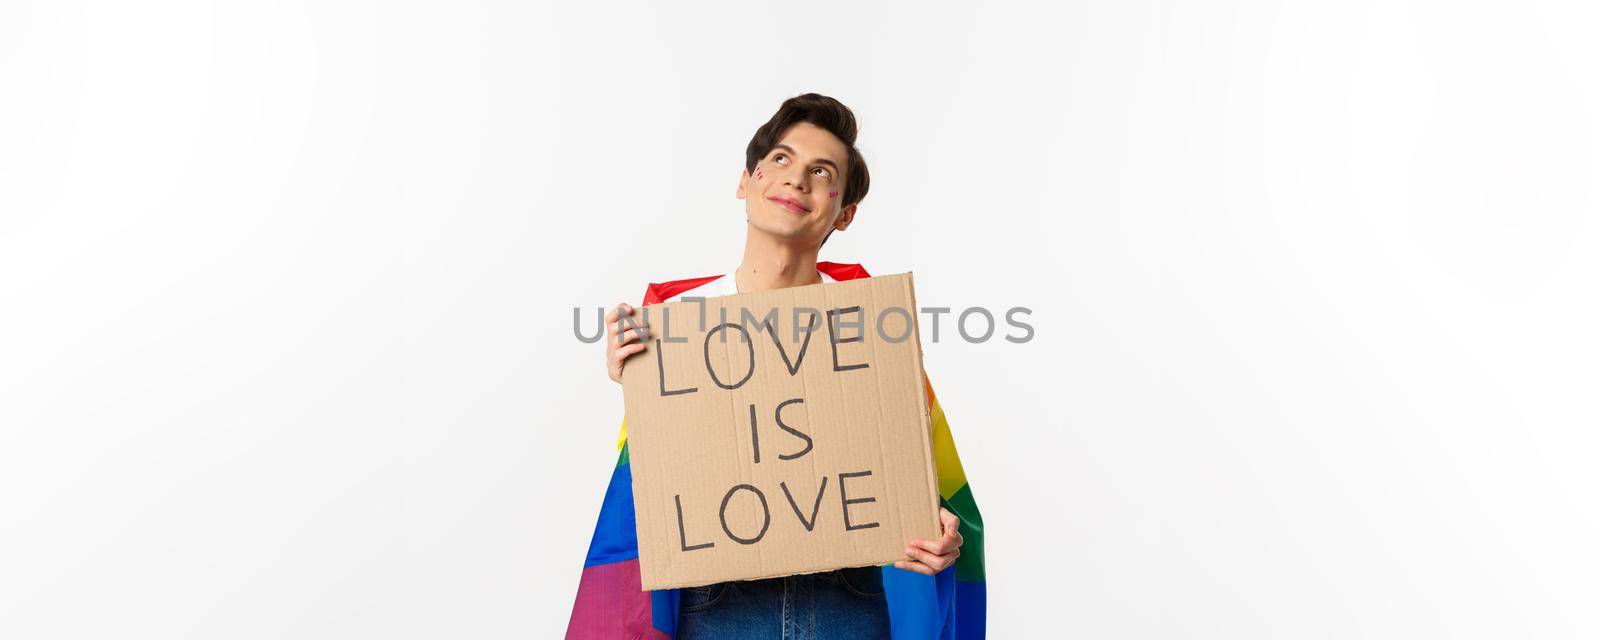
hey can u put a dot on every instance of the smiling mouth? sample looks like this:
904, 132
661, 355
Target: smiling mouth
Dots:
792, 205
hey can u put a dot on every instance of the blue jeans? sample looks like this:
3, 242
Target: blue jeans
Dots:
848, 603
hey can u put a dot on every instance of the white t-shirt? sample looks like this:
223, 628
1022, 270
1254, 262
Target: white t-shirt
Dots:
724, 286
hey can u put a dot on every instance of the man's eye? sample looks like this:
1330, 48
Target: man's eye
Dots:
780, 159
822, 172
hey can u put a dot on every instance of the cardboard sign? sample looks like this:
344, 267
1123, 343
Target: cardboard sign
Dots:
780, 432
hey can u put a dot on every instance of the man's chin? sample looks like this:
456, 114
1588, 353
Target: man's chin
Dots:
785, 233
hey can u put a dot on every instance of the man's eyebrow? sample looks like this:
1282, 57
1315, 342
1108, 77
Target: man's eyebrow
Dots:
793, 153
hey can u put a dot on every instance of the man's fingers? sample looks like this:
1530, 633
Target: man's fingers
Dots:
952, 537
949, 520
630, 330
614, 323
949, 541
952, 528
619, 334
624, 351
614, 361
914, 566
937, 548
614, 364
920, 555
633, 334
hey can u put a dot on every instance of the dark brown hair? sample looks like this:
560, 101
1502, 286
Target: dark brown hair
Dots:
827, 114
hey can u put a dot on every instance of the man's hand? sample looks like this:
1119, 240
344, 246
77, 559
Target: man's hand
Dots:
617, 341
929, 558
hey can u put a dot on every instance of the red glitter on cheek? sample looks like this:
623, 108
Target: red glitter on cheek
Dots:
833, 194
758, 174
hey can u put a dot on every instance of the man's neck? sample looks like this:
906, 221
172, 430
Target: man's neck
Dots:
771, 264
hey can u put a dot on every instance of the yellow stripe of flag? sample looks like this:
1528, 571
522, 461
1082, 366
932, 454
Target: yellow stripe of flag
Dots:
947, 464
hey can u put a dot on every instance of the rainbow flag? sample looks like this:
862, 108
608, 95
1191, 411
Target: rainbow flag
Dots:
947, 606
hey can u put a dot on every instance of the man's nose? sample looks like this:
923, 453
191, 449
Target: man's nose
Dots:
796, 179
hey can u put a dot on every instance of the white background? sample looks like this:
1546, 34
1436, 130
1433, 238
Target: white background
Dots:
286, 290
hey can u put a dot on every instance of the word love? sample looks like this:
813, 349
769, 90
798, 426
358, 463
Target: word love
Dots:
719, 333
766, 512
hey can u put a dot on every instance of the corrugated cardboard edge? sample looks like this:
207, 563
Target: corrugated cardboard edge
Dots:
927, 414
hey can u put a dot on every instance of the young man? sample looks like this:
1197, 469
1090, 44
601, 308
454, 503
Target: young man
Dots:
803, 179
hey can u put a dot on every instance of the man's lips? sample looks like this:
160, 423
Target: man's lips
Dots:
791, 204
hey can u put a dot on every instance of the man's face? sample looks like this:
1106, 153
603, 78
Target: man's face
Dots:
796, 190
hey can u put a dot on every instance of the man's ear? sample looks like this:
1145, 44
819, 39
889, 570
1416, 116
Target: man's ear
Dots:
846, 215
744, 175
